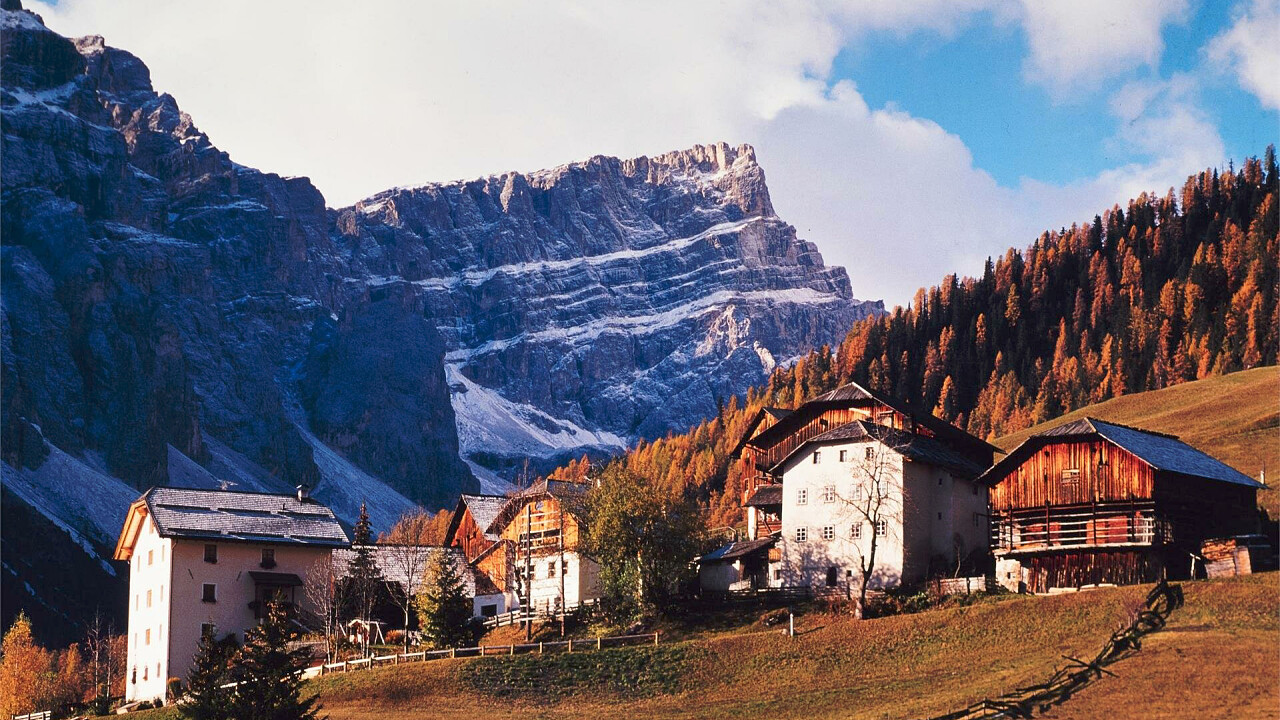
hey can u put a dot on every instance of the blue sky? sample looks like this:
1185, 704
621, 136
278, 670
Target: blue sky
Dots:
973, 85
908, 139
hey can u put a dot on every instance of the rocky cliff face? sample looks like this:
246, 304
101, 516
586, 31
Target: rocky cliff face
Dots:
170, 316
603, 301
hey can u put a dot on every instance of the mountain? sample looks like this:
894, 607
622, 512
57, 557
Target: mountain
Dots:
173, 317
608, 300
1167, 290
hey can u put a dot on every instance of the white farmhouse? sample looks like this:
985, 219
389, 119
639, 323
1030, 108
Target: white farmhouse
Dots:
844, 470
203, 561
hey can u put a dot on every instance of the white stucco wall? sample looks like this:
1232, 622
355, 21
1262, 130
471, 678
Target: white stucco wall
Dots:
581, 581
178, 620
150, 593
925, 510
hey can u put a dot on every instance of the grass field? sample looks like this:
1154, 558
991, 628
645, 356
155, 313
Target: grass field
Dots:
1216, 659
1235, 418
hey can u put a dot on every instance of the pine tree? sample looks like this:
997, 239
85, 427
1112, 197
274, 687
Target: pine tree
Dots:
444, 608
363, 574
270, 683
206, 698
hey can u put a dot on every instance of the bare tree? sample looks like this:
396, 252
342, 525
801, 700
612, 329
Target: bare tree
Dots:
874, 502
105, 660
326, 589
406, 562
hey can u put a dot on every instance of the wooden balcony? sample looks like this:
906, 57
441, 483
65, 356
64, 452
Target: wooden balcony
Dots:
1098, 525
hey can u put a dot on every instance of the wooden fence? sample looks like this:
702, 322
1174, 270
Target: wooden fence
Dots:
786, 593
42, 715
961, 585
537, 648
520, 615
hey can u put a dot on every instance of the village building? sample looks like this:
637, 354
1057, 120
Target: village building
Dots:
204, 561
843, 471
540, 533
490, 557
1092, 502
405, 566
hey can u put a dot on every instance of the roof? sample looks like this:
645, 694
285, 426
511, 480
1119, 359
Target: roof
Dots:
483, 509
393, 560
572, 496
231, 517
737, 549
851, 394
1161, 451
273, 578
909, 445
776, 414
764, 496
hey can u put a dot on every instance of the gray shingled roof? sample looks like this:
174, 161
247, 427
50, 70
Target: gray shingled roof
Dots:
246, 517
1160, 451
737, 549
910, 445
484, 509
391, 560
765, 496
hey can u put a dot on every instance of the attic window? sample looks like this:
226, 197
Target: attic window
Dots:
1071, 478
211, 553
817, 457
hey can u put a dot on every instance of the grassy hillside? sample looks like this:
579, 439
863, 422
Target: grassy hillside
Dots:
1235, 418
1215, 659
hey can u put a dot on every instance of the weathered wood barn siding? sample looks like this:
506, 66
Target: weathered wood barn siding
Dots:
1107, 474
544, 522
764, 458
470, 537
1092, 567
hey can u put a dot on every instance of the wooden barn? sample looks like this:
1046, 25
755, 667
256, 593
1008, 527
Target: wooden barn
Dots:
1092, 502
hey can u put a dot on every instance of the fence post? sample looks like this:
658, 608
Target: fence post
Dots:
453, 653
599, 640
570, 644
513, 648
655, 639
539, 647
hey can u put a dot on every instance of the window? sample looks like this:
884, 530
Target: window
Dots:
148, 598
1071, 478
802, 496
870, 453
855, 532
777, 573
151, 557
268, 558
551, 569
829, 532
829, 494
802, 534
146, 637
145, 668
833, 573
939, 481
206, 630
939, 516
489, 611
817, 456
882, 527
210, 593
211, 553
844, 456
857, 493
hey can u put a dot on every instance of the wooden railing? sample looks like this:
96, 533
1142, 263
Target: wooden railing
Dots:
787, 593
520, 615
42, 715
1113, 524
538, 648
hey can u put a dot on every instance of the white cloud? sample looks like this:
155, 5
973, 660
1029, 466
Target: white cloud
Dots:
361, 98
1076, 44
1251, 47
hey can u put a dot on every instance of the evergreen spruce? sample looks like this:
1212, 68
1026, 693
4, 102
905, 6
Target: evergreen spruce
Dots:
444, 608
206, 698
269, 673
363, 574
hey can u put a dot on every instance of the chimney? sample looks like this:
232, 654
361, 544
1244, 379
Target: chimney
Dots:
304, 493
